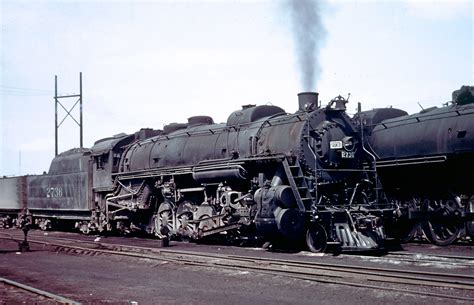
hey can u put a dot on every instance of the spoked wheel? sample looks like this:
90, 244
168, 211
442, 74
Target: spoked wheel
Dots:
84, 227
44, 224
442, 230
409, 234
407, 229
186, 226
316, 239
6, 222
164, 221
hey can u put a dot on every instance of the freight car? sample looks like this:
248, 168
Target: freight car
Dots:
12, 200
425, 161
262, 173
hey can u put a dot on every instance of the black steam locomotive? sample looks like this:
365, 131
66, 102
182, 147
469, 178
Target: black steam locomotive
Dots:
425, 161
264, 172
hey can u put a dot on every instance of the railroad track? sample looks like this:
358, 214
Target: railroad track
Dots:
459, 286
437, 256
442, 261
38, 292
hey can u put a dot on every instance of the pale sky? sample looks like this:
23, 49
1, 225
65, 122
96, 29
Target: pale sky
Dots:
149, 63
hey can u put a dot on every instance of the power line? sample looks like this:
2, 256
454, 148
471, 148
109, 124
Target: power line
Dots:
23, 89
18, 91
8, 93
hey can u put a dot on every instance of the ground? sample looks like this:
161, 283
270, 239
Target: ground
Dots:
103, 279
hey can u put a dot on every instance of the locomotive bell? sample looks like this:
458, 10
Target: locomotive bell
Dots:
307, 100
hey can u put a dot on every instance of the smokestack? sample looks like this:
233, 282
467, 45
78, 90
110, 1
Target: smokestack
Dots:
307, 99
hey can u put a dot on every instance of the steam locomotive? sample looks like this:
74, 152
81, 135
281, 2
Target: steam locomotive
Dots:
264, 172
425, 161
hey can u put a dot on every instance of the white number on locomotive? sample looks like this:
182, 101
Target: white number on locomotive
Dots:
348, 154
54, 192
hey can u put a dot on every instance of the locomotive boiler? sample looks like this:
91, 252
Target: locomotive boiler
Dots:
426, 161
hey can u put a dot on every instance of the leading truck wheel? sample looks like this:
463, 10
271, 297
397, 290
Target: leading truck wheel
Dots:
316, 239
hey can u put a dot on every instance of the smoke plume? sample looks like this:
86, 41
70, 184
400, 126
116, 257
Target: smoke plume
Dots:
308, 34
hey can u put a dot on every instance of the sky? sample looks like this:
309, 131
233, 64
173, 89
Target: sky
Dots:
150, 63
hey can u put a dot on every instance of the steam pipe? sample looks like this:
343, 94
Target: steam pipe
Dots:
277, 179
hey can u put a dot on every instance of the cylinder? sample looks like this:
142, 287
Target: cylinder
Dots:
282, 195
290, 222
306, 99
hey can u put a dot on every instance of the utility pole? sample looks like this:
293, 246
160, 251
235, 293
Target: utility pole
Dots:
68, 112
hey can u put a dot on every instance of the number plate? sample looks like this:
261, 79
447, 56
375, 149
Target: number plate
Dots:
335, 144
348, 154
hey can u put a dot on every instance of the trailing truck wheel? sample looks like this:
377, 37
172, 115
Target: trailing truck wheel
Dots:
441, 231
316, 239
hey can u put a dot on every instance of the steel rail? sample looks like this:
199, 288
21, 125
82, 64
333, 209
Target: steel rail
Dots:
427, 260
431, 259
40, 292
459, 257
287, 268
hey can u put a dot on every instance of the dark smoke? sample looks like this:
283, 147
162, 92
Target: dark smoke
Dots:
308, 33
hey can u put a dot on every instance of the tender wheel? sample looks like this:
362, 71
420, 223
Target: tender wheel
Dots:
44, 224
84, 227
316, 239
442, 230
6, 222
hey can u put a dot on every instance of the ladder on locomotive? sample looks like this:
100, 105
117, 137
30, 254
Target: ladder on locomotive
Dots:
299, 185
